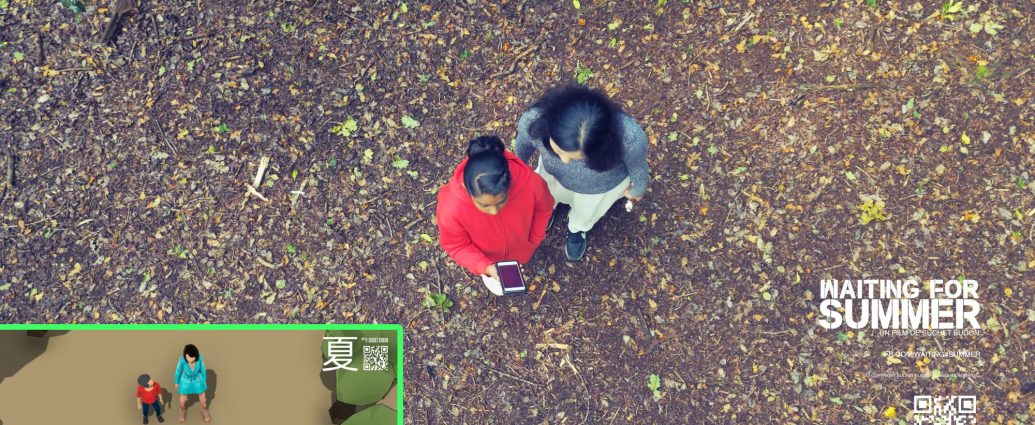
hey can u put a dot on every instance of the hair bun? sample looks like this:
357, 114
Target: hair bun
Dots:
481, 144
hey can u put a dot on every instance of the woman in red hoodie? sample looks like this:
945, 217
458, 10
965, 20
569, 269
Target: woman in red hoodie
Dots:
494, 208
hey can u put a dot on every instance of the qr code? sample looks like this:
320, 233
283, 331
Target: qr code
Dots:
951, 410
375, 357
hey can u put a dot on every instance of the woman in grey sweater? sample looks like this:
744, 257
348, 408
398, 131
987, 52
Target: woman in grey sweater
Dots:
591, 154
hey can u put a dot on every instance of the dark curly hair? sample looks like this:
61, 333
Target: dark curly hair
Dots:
580, 119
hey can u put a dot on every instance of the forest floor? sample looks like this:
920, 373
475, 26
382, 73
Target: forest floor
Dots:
789, 142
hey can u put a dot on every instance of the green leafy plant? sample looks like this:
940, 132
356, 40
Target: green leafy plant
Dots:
438, 302
872, 209
179, 251
871, 3
74, 6
400, 163
951, 9
345, 128
409, 122
464, 54
981, 72
654, 384
582, 73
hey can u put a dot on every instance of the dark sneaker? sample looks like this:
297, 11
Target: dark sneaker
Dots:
161, 419
576, 246
145, 419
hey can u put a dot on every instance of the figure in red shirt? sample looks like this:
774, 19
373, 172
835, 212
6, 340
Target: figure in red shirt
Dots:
494, 208
149, 394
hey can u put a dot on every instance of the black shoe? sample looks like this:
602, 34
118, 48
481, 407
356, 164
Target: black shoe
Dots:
161, 419
145, 419
576, 246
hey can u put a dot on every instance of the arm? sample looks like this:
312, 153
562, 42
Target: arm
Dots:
204, 373
158, 389
525, 146
457, 243
543, 209
179, 370
138, 399
635, 145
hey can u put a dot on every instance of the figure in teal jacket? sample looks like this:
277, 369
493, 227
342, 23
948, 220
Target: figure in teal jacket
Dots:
190, 379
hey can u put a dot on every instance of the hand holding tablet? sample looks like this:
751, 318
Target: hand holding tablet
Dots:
510, 277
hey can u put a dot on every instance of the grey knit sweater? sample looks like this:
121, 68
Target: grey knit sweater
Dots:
578, 178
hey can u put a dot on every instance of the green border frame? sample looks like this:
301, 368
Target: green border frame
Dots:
243, 327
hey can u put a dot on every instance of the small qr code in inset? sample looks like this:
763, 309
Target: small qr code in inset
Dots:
951, 410
375, 357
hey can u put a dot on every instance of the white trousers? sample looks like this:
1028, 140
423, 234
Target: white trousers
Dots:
586, 210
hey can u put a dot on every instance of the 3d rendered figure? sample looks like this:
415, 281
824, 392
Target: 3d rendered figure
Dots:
149, 394
591, 154
493, 209
191, 380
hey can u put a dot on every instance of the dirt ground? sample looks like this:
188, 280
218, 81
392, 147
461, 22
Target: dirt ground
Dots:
772, 124
90, 376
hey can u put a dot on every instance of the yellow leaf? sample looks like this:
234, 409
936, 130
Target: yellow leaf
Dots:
965, 138
742, 46
889, 412
576, 4
1008, 291
75, 270
893, 360
971, 216
48, 72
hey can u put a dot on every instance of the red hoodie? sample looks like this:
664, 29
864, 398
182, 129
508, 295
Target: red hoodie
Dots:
475, 239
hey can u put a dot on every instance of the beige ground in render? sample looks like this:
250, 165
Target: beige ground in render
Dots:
89, 377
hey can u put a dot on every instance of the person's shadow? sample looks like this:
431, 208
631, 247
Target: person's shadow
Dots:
211, 379
21, 348
167, 396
